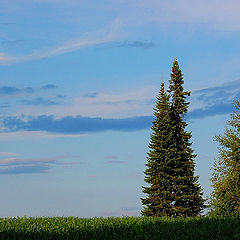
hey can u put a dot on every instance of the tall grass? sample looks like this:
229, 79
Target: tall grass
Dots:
126, 228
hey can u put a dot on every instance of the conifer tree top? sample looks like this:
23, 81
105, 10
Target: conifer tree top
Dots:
176, 89
172, 189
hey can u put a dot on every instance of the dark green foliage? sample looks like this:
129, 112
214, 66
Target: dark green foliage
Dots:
160, 161
173, 190
225, 199
128, 228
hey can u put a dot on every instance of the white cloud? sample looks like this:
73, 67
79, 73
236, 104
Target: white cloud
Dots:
8, 154
129, 103
126, 16
16, 165
31, 135
122, 104
126, 103
19, 161
6, 59
104, 35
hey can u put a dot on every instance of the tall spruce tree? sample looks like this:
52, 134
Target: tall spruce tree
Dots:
173, 190
225, 198
160, 161
188, 193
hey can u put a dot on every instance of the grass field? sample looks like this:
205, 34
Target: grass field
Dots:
126, 228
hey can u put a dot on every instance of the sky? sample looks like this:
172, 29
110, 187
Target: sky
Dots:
78, 83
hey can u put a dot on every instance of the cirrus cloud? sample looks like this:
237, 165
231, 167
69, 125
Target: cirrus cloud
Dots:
16, 165
101, 36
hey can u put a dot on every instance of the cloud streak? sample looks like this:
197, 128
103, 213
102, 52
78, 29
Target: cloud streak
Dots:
18, 161
6, 59
215, 100
130, 103
48, 86
75, 125
102, 36
80, 125
124, 21
40, 101
204, 103
23, 170
8, 154
15, 165
138, 44
217, 109
6, 90
11, 90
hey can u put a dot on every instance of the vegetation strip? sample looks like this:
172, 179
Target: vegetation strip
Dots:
132, 228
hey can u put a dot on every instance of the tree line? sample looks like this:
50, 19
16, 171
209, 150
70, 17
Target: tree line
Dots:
173, 189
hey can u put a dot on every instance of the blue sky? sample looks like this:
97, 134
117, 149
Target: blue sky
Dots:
78, 86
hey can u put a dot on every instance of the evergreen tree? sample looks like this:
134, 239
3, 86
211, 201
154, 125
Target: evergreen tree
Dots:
174, 190
188, 193
160, 163
225, 199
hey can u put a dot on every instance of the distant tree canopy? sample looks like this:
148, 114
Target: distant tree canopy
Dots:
225, 198
173, 189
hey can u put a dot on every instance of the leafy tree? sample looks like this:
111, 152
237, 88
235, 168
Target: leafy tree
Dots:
225, 198
173, 190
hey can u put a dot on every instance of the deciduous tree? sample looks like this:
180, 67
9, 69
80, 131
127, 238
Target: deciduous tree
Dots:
225, 198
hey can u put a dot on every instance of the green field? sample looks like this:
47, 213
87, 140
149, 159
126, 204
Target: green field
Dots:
139, 228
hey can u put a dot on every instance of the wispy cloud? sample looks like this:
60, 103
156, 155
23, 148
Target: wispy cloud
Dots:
7, 90
226, 88
15, 165
4, 106
214, 100
49, 86
123, 22
8, 154
113, 159
217, 109
6, 59
40, 101
23, 170
11, 90
137, 44
115, 162
140, 102
18, 161
104, 35
34, 135
206, 102
28, 90
61, 96
114, 104
28, 96
91, 95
